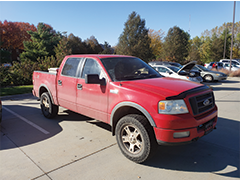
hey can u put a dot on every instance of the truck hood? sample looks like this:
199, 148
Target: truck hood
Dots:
161, 86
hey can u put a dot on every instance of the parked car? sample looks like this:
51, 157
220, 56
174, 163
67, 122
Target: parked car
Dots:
233, 67
0, 111
165, 63
234, 62
219, 65
209, 75
183, 73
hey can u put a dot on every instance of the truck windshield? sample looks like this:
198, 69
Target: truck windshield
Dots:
128, 68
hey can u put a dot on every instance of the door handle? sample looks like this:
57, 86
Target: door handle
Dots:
59, 82
79, 86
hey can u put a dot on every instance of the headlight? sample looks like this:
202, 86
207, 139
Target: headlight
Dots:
172, 107
218, 74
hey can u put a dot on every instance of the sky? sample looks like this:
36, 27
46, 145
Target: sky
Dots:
105, 19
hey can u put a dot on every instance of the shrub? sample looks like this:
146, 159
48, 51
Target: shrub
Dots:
229, 73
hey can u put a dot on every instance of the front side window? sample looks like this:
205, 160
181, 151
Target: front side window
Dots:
70, 67
91, 67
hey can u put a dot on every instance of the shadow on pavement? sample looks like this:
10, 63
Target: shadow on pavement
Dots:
15, 132
217, 153
225, 89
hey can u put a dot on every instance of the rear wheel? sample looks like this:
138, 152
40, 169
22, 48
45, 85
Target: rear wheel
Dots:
49, 109
135, 138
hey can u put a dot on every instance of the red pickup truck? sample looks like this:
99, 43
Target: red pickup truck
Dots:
143, 108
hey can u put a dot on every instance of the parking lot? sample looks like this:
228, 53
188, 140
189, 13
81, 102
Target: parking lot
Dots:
73, 146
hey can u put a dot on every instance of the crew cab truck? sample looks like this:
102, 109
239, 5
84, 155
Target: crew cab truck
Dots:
143, 108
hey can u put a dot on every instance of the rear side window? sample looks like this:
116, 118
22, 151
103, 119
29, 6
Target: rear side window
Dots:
71, 66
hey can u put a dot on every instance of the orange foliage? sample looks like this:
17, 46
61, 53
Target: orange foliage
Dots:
14, 33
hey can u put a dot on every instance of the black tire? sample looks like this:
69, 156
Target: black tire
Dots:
208, 78
49, 109
135, 138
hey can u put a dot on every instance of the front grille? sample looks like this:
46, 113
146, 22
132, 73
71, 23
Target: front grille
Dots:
202, 103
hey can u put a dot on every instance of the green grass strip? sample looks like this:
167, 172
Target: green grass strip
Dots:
13, 90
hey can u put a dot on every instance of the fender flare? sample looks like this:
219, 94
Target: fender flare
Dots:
49, 92
134, 105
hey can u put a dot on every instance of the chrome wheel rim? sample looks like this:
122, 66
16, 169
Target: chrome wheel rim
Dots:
132, 139
45, 104
208, 78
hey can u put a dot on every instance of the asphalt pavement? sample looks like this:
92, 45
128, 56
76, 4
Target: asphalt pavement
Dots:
75, 147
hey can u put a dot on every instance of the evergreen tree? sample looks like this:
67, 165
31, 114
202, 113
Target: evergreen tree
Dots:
176, 45
107, 49
76, 45
217, 48
135, 40
61, 50
42, 43
93, 46
194, 50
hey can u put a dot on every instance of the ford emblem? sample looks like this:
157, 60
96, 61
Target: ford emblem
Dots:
206, 102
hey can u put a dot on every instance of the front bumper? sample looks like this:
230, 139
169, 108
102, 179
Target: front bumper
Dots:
219, 78
165, 136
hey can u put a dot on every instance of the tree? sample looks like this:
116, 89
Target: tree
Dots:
156, 42
42, 43
194, 50
93, 46
217, 48
61, 50
176, 45
135, 40
236, 48
76, 45
12, 36
205, 49
107, 49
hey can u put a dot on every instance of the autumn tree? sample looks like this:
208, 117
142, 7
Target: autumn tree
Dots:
42, 43
156, 42
135, 40
12, 36
176, 45
236, 48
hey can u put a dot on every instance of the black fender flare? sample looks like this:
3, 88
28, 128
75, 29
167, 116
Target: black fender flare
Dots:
134, 105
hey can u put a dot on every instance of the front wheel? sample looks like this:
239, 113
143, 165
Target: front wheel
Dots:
49, 109
135, 138
208, 78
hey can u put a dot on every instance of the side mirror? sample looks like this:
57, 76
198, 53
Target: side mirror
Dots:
94, 79
169, 72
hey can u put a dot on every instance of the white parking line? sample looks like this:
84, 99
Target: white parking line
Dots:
27, 121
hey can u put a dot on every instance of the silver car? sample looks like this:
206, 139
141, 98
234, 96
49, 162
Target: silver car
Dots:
209, 75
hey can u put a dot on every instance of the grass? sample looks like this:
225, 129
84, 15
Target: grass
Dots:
13, 90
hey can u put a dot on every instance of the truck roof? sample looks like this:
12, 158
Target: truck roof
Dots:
98, 55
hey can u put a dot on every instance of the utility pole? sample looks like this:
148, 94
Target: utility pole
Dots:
232, 35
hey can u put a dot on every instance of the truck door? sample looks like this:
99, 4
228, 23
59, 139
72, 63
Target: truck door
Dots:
92, 99
67, 84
